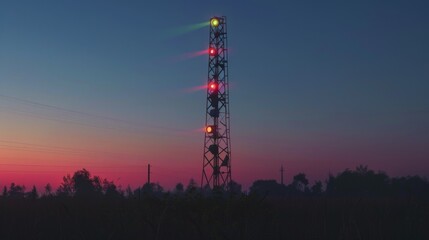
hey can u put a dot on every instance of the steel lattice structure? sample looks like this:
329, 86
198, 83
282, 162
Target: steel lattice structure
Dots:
217, 145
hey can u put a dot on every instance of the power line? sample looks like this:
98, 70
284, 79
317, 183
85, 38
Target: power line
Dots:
80, 123
58, 149
70, 166
81, 113
25, 101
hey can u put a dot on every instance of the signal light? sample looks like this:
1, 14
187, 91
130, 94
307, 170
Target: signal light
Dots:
214, 22
212, 51
213, 86
210, 129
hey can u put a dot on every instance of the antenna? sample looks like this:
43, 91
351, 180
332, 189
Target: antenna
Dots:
217, 144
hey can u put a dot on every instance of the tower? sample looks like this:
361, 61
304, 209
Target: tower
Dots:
217, 145
281, 175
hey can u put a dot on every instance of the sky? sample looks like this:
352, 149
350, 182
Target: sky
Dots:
110, 86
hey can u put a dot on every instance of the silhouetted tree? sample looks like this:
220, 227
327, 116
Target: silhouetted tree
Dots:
152, 189
84, 185
147, 188
316, 189
300, 182
179, 189
234, 188
207, 191
410, 186
4, 192
362, 181
48, 190
16, 191
192, 187
66, 187
129, 192
267, 187
110, 190
33, 193
138, 193
97, 183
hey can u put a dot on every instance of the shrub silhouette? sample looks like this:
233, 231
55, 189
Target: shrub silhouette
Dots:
267, 187
361, 182
390, 209
16, 191
300, 182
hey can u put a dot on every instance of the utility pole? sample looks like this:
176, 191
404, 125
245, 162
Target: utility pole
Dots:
281, 175
148, 173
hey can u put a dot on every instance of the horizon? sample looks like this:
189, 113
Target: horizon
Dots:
245, 189
111, 87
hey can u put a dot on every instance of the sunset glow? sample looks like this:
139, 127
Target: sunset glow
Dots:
113, 87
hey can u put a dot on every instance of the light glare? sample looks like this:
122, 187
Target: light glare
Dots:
212, 51
209, 129
214, 22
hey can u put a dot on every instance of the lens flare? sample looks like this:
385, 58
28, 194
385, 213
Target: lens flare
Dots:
214, 22
213, 86
209, 129
212, 51
188, 28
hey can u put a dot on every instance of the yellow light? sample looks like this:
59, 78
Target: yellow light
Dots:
214, 22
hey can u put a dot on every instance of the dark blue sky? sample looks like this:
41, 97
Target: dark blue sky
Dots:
315, 85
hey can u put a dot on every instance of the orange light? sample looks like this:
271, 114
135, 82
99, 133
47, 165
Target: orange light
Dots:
209, 129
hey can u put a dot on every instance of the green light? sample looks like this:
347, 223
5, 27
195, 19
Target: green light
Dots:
186, 29
214, 22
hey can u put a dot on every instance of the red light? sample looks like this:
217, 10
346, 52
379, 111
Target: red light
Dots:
213, 86
212, 52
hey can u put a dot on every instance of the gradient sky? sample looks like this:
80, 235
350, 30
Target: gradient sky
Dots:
318, 86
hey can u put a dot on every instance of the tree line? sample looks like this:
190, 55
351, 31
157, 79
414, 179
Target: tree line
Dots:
358, 182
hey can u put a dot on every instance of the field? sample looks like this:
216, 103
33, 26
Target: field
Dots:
194, 217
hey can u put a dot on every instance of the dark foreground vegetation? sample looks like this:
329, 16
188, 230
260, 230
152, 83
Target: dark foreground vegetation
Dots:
358, 204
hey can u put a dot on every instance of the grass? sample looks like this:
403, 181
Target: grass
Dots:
246, 217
